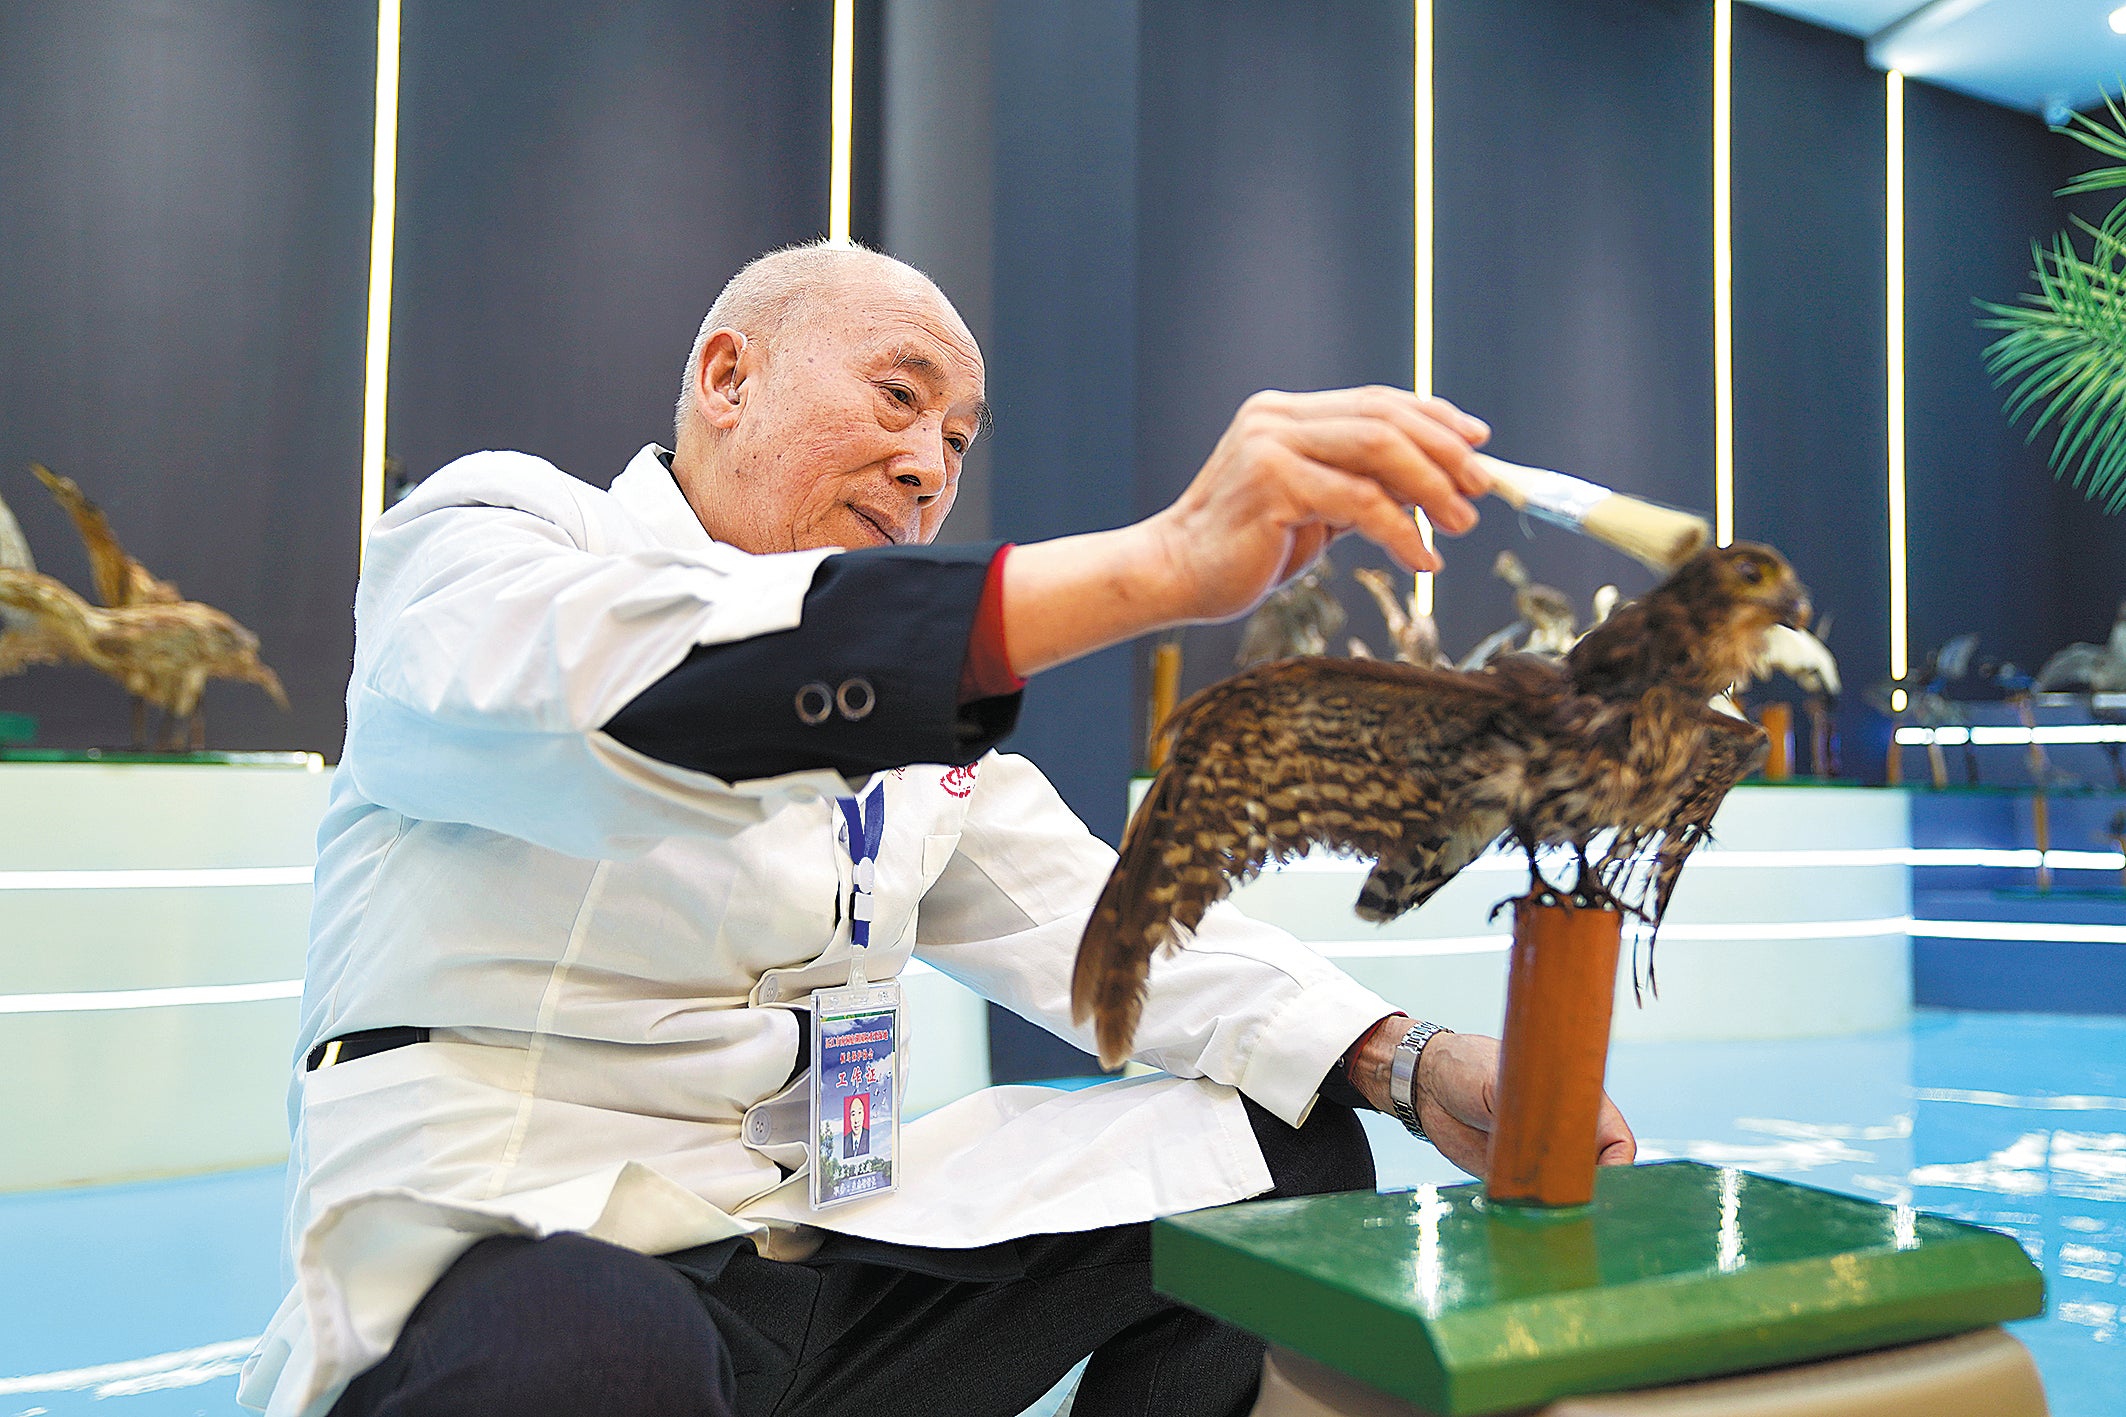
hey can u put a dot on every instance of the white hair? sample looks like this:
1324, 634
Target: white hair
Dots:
779, 291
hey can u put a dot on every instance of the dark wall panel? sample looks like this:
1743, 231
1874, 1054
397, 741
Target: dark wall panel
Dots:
184, 208
1062, 379
1573, 159
1062, 367
1811, 380
576, 182
1989, 530
1275, 204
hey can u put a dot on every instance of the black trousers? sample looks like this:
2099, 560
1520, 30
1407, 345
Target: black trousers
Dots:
570, 1325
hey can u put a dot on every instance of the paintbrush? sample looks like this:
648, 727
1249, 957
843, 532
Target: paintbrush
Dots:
1659, 537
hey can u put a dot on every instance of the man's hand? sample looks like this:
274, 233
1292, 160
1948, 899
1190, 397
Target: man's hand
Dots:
1457, 1095
1291, 474
1295, 471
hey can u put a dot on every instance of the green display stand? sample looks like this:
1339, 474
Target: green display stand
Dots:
1676, 1271
17, 728
141, 755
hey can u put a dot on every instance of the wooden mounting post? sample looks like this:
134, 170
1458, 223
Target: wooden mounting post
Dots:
1777, 720
1560, 991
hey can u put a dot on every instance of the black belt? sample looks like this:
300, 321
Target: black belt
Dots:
360, 1044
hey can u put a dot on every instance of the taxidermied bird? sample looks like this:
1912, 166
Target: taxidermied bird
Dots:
24, 641
1421, 769
2087, 668
1413, 633
1550, 618
1297, 618
1493, 645
14, 556
120, 580
1929, 705
164, 654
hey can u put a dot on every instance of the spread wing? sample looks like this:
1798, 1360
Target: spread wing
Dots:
1642, 864
1728, 750
1368, 757
14, 556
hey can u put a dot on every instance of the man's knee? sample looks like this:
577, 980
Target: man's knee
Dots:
1328, 1153
566, 1324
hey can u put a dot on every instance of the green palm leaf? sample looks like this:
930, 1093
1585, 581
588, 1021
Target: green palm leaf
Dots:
2062, 350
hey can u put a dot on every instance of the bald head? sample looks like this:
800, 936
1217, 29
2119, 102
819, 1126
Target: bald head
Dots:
829, 400
784, 294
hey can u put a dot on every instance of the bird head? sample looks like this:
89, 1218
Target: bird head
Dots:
1703, 629
1747, 584
1740, 592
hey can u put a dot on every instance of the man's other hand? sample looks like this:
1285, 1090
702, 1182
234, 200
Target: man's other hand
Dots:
1457, 1095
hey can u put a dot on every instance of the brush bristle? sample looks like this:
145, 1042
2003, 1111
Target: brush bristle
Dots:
1659, 537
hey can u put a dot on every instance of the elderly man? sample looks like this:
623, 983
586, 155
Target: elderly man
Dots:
638, 783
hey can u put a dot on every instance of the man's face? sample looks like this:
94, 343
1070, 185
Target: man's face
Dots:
850, 430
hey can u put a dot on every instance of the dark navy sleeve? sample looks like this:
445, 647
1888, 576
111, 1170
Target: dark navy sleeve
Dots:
868, 680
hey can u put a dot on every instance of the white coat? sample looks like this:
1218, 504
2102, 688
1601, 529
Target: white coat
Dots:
614, 943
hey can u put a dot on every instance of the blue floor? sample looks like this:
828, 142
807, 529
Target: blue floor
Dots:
138, 1301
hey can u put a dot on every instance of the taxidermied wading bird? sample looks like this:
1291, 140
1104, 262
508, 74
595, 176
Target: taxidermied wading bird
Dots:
1421, 768
164, 654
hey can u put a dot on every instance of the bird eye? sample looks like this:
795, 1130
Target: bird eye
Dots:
1749, 571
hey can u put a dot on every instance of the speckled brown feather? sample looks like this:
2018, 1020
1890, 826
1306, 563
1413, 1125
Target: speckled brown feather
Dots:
1420, 769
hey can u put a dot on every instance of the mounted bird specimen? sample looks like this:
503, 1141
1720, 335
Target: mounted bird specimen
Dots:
163, 654
1928, 703
2087, 668
1611, 752
162, 648
24, 640
1548, 613
1296, 619
1413, 633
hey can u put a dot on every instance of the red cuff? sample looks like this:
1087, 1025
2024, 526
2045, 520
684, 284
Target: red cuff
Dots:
986, 672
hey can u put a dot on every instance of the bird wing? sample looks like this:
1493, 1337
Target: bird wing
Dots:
120, 580
14, 556
1369, 757
1727, 750
1492, 646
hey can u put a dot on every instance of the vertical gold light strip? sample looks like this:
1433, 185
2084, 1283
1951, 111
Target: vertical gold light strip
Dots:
844, 109
1900, 590
1421, 325
384, 173
1723, 272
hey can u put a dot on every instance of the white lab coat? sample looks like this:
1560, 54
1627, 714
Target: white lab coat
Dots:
615, 943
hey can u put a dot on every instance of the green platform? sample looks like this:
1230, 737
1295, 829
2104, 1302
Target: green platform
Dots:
1677, 1271
155, 759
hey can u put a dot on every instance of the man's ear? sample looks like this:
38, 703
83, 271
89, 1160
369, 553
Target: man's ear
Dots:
721, 381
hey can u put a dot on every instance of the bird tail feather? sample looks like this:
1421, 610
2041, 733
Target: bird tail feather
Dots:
1107, 985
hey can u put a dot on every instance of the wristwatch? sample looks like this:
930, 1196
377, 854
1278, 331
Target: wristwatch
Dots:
1402, 1075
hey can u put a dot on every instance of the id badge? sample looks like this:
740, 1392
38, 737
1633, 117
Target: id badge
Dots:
856, 1119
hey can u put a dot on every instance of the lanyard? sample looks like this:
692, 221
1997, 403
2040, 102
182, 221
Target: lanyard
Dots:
864, 829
